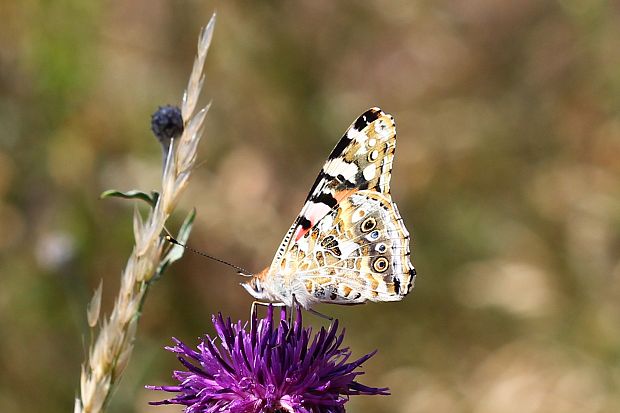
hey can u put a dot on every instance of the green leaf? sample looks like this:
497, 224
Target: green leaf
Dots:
176, 251
150, 199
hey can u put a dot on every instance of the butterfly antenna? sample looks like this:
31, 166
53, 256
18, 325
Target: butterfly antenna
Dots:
240, 270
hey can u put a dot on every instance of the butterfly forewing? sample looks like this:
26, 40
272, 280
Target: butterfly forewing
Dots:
362, 159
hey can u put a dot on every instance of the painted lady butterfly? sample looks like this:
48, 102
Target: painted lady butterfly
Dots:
348, 244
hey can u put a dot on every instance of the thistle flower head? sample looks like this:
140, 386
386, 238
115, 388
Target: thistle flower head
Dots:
167, 123
273, 367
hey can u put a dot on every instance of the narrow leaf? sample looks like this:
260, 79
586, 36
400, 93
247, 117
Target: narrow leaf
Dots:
150, 199
176, 251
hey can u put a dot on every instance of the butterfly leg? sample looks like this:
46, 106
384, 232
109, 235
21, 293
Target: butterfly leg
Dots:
310, 310
293, 309
290, 316
324, 316
264, 304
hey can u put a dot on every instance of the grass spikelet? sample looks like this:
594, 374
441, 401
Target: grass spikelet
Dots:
112, 345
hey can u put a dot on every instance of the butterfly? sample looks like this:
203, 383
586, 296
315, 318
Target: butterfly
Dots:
348, 245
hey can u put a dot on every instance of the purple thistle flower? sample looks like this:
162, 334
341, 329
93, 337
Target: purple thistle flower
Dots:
268, 369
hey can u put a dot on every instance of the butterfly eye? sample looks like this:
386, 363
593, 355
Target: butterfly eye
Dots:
372, 156
373, 235
381, 248
380, 264
369, 224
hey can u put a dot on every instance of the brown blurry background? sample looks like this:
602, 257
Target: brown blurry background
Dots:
507, 174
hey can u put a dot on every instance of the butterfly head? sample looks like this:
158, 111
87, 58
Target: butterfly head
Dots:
256, 286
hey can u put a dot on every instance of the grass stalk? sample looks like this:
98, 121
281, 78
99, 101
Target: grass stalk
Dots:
111, 348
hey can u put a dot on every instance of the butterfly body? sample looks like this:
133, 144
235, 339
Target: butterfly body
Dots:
349, 244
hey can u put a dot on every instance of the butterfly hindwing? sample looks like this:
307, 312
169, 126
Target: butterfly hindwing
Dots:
357, 252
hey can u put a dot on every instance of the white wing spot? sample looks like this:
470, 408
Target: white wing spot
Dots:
346, 248
339, 167
303, 245
354, 134
369, 172
326, 223
382, 129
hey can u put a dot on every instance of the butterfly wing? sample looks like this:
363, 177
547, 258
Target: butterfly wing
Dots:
359, 251
348, 244
361, 160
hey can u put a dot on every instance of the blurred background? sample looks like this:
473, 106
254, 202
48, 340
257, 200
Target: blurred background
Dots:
507, 174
